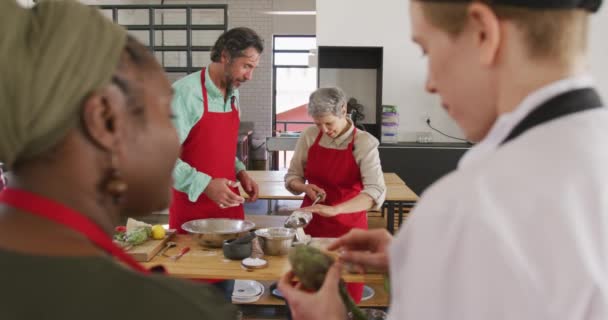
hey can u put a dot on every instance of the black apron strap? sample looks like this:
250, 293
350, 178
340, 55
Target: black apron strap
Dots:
562, 105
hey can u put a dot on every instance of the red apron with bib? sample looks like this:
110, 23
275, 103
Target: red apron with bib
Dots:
210, 148
336, 172
42, 207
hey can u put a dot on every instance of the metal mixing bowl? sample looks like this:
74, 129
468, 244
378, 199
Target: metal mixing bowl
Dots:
276, 241
213, 232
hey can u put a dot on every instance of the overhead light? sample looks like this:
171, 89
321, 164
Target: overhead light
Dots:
292, 13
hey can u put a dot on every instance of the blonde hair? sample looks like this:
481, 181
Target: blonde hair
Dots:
558, 33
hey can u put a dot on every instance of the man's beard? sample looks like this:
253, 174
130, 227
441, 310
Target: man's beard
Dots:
228, 77
229, 83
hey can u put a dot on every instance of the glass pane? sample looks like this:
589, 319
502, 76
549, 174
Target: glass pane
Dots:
291, 59
133, 16
295, 43
172, 58
170, 38
207, 16
169, 16
142, 35
107, 13
294, 86
205, 37
200, 58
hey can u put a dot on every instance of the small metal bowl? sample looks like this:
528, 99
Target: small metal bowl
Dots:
276, 241
213, 232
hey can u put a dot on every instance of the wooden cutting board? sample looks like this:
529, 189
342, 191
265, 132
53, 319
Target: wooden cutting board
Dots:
147, 250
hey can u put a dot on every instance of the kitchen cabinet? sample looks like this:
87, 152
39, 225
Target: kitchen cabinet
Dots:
421, 164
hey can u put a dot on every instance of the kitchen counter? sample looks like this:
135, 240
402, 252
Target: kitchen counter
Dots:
440, 145
210, 263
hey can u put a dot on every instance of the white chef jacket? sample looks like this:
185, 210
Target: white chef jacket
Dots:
518, 231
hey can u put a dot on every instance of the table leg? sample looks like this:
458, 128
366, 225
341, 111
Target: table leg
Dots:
400, 214
269, 211
390, 216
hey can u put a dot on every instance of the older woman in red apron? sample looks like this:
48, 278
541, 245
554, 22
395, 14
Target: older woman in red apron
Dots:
340, 164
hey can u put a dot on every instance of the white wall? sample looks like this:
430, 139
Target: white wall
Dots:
385, 23
293, 24
26, 3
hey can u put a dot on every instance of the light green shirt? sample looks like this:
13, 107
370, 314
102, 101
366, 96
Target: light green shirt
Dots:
188, 109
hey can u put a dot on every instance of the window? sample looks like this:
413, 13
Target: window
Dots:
293, 82
180, 36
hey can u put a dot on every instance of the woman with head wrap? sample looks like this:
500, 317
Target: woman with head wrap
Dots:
87, 136
518, 231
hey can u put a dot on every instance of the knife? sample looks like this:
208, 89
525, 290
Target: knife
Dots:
180, 254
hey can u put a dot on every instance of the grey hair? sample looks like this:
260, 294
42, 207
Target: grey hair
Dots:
326, 100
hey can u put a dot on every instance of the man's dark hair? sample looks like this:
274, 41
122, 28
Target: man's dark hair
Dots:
235, 41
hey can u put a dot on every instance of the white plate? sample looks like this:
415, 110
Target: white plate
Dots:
368, 293
244, 289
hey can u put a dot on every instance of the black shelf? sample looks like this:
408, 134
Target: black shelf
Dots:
330, 57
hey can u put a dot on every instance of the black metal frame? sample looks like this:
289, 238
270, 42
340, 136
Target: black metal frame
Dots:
151, 27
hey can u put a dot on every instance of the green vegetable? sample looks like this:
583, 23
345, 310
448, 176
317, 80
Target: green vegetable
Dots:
387, 284
134, 236
310, 265
138, 235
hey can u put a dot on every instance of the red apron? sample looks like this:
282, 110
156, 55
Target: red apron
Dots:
336, 172
210, 148
58, 213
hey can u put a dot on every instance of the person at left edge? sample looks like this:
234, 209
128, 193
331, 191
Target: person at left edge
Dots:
206, 108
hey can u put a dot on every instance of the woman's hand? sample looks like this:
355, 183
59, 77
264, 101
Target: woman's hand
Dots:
312, 191
323, 210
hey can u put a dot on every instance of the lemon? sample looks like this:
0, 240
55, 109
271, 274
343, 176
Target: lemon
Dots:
158, 232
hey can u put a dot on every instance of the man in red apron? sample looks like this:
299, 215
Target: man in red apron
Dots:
207, 119
340, 163
206, 113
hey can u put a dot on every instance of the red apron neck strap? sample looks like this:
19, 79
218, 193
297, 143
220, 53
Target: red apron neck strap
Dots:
204, 87
233, 103
318, 138
61, 214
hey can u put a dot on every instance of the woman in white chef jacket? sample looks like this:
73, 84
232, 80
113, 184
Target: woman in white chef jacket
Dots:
519, 230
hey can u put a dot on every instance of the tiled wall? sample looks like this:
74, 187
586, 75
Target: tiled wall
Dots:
256, 95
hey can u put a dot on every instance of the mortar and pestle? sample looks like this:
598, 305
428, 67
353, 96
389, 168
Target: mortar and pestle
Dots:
239, 248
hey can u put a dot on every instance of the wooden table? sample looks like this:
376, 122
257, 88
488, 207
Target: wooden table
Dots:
210, 263
399, 196
279, 176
